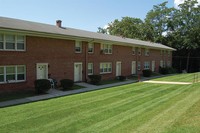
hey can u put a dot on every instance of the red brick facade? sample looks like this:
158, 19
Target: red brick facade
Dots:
60, 56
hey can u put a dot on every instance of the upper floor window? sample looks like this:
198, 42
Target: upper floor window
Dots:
138, 65
146, 65
107, 48
169, 53
105, 68
91, 48
133, 50
146, 52
78, 46
90, 68
139, 51
10, 74
12, 42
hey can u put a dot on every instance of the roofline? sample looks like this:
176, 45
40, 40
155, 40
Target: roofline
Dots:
69, 37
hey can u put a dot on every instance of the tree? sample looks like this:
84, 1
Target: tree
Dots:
185, 28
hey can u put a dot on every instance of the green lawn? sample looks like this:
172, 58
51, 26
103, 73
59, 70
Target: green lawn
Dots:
139, 108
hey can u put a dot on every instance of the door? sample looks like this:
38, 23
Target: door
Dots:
153, 64
42, 70
133, 67
77, 72
118, 68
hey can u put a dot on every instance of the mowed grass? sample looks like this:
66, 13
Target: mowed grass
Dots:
139, 108
180, 77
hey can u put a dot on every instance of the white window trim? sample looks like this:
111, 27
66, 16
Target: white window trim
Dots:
92, 69
81, 45
147, 51
92, 44
139, 51
146, 65
106, 46
16, 80
138, 65
133, 50
15, 49
109, 63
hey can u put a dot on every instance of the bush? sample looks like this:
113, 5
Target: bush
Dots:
147, 73
42, 85
66, 83
95, 79
121, 78
166, 70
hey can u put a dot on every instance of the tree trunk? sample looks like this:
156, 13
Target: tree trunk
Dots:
188, 60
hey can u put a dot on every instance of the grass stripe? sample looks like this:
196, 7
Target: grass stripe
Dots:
110, 122
166, 118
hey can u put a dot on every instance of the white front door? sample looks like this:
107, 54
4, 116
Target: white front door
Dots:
133, 67
153, 66
118, 68
77, 72
42, 70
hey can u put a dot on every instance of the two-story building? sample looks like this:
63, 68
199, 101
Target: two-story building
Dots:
30, 51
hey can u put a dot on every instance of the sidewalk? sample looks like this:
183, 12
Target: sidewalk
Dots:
53, 93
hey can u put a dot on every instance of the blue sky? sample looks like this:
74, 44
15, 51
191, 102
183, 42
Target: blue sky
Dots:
80, 14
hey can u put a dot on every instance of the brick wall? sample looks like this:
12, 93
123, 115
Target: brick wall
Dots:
60, 55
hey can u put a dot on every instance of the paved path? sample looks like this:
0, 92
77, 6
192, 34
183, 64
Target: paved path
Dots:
167, 82
52, 93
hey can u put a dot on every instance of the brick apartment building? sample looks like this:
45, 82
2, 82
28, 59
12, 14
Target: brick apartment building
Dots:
30, 51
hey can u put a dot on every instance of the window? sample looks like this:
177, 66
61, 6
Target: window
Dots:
146, 65
78, 47
139, 51
12, 73
146, 52
169, 53
133, 50
12, 42
1, 74
90, 47
90, 68
161, 63
1, 41
168, 63
107, 48
139, 65
105, 68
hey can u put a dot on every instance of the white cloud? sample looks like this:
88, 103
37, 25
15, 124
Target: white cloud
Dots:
177, 2
105, 26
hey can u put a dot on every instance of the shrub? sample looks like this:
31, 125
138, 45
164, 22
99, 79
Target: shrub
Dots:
166, 70
147, 73
42, 85
121, 78
95, 79
66, 83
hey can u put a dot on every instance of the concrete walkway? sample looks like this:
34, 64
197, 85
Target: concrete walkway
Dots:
52, 93
167, 82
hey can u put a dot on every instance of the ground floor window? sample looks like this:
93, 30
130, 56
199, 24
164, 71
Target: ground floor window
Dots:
12, 73
146, 65
105, 68
90, 68
138, 66
161, 63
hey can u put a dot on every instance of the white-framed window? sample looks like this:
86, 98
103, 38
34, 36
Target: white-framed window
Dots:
11, 42
133, 50
12, 74
138, 65
105, 68
146, 52
78, 47
169, 53
161, 63
1, 41
139, 51
107, 48
169, 63
146, 65
90, 68
90, 47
